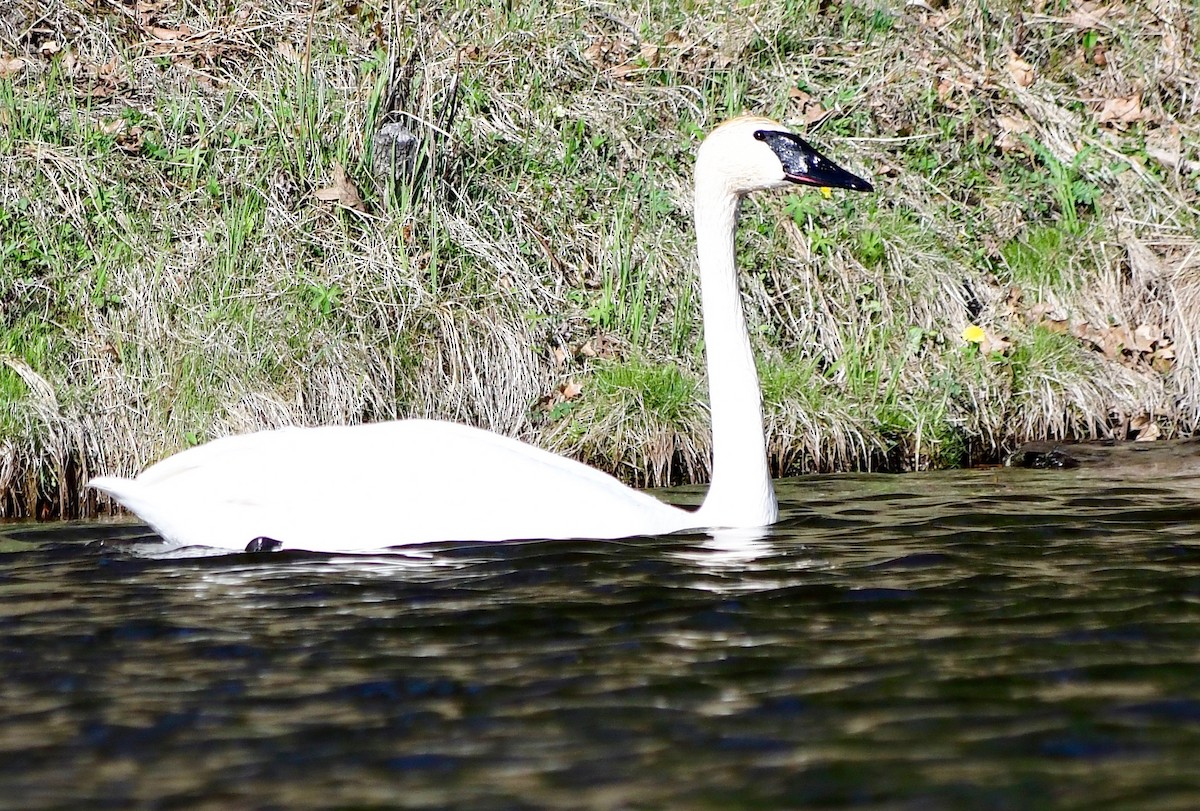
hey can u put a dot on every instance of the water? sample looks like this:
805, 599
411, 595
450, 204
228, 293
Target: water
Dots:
986, 640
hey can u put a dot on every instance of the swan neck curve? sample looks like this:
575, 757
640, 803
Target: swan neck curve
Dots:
741, 494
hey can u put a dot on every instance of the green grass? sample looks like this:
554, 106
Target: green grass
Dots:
168, 276
661, 391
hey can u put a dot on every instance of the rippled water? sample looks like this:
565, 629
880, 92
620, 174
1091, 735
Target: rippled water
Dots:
983, 640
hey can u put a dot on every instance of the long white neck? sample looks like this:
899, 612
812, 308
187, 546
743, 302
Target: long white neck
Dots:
741, 494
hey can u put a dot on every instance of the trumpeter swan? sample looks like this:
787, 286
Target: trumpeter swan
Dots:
366, 487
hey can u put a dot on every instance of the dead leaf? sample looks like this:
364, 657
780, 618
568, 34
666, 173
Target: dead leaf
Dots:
1165, 145
131, 141
113, 126
1145, 337
810, 108
342, 191
168, 34
814, 113
595, 53
11, 67
945, 87
1012, 127
288, 51
560, 356
1114, 340
1045, 315
1021, 71
1146, 427
622, 71
1163, 360
994, 344
1088, 15
148, 6
1122, 110
1039, 311
600, 346
570, 390
49, 48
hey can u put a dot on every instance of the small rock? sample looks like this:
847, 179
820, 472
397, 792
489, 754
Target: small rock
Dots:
396, 148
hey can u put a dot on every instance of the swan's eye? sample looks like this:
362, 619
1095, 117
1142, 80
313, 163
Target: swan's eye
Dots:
760, 135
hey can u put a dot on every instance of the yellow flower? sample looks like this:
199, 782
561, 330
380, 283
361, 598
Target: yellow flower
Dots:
826, 192
974, 335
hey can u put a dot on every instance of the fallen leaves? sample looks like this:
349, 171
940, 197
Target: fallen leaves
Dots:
88, 80
1146, 428
179, 42
1021, 71
811, 110
289, 52
1122, 110
341, 191
620, 57
570, 390
1165, 145
471, 52
568, 359
128, 139
10, 67
1012, 127
558, 403
1088, 15
1144, 346
103, 81
183, 44
626, 57
600, 346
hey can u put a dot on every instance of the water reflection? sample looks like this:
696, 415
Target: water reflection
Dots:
724, 548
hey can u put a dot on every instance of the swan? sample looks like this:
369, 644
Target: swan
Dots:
367, 487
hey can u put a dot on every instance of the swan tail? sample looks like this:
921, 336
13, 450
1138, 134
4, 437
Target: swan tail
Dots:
126, 491
137, 497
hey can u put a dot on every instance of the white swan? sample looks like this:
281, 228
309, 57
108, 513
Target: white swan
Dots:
372, 486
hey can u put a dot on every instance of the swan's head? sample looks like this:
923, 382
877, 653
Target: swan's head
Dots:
751, 153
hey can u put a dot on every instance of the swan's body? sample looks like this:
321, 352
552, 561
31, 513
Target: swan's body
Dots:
412, 481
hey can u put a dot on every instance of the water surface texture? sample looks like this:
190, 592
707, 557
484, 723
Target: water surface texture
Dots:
986, 640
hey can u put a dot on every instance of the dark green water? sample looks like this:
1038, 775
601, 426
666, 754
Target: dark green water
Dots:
984, 640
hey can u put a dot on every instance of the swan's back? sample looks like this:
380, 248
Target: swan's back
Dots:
343, 488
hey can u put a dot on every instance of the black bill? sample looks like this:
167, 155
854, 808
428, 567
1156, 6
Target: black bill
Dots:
803, 164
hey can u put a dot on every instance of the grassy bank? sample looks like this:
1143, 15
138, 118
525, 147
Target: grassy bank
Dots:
200, 232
